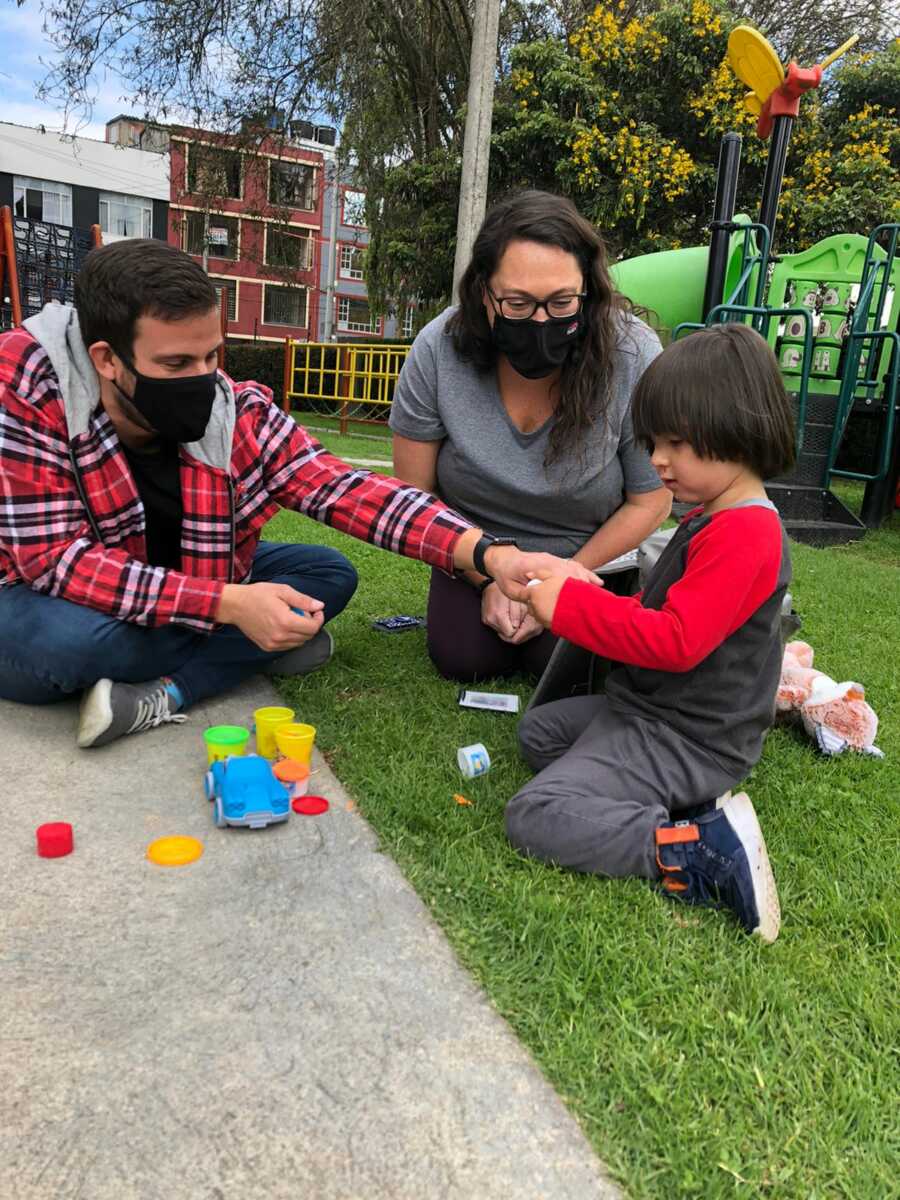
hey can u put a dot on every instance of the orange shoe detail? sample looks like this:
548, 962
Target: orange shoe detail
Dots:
671, 835
673, 885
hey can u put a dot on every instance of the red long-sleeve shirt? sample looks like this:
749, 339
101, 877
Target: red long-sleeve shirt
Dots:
700, 646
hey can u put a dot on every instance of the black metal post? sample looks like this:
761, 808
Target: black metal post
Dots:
723, 212
775, 164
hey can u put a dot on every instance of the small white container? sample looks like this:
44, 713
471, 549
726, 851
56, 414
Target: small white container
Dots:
473, 760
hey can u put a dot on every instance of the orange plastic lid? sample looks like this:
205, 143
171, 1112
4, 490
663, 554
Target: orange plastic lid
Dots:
289, 771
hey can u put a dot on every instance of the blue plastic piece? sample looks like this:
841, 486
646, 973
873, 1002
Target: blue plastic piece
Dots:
245, 792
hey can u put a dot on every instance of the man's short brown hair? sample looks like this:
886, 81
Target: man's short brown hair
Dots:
138, 277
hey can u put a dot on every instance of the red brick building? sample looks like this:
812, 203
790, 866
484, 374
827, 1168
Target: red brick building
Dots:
260, 215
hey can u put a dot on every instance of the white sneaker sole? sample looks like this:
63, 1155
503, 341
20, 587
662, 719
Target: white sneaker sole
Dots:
95, 715
742, 818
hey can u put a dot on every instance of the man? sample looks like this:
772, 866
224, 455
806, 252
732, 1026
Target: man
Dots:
134, 482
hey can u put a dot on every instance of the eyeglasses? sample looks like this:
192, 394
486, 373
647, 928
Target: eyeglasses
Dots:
523, 308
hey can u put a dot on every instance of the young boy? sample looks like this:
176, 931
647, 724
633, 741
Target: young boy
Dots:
628, 781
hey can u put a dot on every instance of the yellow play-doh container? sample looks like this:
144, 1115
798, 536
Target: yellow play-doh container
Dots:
225, 741
295, 741
268, 720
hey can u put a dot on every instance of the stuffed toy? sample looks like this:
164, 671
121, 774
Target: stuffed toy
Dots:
835, 715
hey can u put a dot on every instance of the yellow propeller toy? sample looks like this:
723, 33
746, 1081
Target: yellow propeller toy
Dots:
755, 62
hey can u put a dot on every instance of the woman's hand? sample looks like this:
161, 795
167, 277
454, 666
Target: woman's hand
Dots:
530, 628
500, 613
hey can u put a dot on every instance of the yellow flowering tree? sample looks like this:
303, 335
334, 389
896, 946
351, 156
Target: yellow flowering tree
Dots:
627, 119
845, 172
635, 138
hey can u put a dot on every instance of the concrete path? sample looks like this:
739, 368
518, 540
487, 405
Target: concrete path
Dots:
279, 1019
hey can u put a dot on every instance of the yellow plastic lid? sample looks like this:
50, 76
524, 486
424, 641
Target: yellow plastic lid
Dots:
174, 851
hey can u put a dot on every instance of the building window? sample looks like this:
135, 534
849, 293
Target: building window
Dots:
292, 184
354, 316
409, 321
41, 200
126, 216
213, 171
222, 231
288, 248
284, 306
351, 262
354, 209
229, 288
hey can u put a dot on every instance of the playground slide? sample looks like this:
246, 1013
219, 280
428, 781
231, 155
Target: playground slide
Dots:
670, 283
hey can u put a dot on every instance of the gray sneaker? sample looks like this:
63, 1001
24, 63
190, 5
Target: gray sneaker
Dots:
110, 710
303, 660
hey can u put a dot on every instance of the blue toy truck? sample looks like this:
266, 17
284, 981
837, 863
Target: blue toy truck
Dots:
245, 792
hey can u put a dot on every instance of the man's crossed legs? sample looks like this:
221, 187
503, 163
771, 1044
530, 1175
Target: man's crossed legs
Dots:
134, 677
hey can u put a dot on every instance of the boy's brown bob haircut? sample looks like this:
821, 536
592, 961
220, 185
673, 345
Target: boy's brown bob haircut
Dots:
720, 389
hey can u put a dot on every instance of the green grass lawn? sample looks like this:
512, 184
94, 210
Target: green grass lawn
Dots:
361, 440
699, 1062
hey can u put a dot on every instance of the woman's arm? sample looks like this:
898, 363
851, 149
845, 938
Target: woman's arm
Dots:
639, 516
416, 462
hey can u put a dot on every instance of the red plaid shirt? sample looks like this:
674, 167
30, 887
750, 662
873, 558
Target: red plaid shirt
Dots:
72, 525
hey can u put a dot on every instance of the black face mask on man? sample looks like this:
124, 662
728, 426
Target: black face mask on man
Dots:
179, 408
537, 348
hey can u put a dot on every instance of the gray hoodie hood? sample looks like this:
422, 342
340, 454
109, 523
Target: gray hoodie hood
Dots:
55, 327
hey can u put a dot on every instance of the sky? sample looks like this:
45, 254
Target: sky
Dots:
22, 71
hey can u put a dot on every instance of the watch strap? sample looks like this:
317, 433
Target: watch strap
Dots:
482, 546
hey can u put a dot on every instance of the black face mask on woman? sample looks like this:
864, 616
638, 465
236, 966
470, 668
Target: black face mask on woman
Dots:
537, 348
178, 409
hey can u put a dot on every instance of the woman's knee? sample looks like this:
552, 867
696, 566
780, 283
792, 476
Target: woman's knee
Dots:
461, 662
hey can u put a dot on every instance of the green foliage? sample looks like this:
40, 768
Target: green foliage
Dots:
414, 235
626, 116
264, 364
845, 167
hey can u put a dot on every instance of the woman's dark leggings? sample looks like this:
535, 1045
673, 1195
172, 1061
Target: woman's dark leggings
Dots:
463, 648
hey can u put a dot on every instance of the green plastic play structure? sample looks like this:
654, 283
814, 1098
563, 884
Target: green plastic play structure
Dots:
831, 314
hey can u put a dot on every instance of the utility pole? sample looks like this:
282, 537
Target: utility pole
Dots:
477, 142
332, 251
206, 241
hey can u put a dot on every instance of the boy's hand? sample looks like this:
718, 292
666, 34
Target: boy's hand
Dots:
541, 597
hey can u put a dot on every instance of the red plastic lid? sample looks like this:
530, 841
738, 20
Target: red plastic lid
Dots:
54, 839
310, 806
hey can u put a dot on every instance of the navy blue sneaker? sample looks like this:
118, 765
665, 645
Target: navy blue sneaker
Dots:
720, 859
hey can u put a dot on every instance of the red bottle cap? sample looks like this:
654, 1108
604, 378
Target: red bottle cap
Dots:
55, 839
310, 806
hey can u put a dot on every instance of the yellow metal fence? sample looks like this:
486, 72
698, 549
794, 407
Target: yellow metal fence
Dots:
353, 381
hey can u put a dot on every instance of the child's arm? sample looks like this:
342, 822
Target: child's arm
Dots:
732, 568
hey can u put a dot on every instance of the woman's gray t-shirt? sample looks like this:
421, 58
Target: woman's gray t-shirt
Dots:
494, 474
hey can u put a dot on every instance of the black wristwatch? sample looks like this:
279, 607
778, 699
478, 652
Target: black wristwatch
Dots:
484, 544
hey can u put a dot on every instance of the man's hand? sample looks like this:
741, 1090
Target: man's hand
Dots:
512, 568
264, 612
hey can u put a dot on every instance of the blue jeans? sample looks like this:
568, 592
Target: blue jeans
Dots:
50, 648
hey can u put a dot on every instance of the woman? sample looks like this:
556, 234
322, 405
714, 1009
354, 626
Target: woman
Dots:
514, 408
